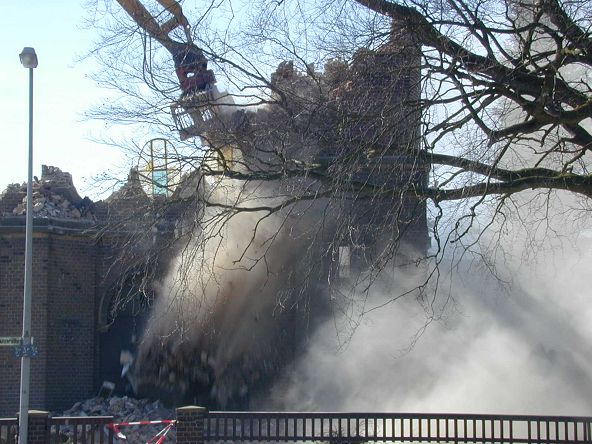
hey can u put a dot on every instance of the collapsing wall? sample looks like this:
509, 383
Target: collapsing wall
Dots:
246, 291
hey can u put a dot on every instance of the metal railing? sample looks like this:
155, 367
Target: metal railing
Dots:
341, 428
80, 430
73, 430
8, 430
395, 427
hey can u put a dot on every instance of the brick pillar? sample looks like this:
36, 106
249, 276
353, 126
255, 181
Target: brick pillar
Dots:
38, 428
190, 424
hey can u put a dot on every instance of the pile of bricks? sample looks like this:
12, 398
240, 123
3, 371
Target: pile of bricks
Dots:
54, 196
47, 204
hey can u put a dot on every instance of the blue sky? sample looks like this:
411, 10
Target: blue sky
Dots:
63, 91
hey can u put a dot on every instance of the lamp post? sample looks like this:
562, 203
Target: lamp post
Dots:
28, 60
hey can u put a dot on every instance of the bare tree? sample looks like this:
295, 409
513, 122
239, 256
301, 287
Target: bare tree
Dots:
452, 108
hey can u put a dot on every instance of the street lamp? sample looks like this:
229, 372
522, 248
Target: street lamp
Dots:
28, 60
28, 57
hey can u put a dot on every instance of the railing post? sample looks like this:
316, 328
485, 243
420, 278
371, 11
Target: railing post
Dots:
191, 424
38, 427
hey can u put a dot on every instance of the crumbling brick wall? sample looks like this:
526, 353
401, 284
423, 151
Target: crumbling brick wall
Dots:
11, 197
360, 119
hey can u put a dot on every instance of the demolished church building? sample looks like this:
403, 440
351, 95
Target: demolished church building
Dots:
357, 124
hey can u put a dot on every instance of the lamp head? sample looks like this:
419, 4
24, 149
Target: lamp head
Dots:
28, 57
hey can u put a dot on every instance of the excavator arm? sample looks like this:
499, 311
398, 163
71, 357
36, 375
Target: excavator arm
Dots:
190, 63
136, 10
197, 103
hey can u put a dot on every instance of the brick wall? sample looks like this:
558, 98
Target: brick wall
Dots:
38, 427
12, 260
74, 276
62, 316
11, 283
190, 425
71, 320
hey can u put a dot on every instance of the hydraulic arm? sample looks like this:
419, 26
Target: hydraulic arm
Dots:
197, 103
136, 10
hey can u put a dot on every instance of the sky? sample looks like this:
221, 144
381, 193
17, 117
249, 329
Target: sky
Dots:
63, 90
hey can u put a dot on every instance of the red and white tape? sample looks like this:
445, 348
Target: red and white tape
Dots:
160, 421
160, 435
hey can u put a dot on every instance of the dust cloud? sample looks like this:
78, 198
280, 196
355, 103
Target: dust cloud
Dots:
508, 332
516, 341
232, 316
235, 303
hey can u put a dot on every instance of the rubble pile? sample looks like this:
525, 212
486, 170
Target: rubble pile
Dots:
47, 204
53, 196
125, 409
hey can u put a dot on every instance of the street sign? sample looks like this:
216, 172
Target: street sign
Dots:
26, 351
10, 341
